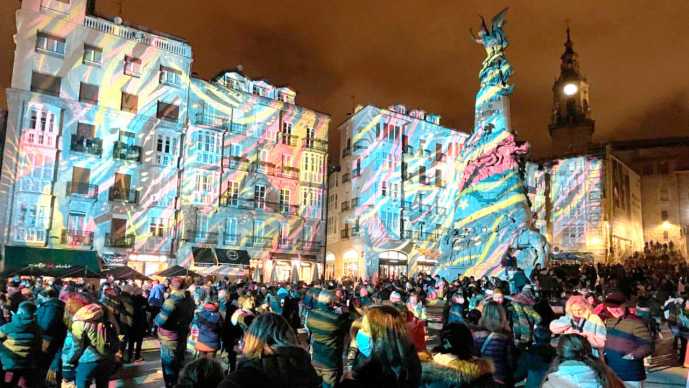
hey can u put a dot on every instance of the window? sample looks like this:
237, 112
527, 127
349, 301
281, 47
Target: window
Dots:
201, 226
258, 230
204, 188
664, 194
88, 93
666, 235
129, 102
422, 175
259, 196
233, 193
170, 76
395, 191
284, 200
404, 170
166, 149
286, 160
167, 111
231, 235
50, 43
286, 134
663, 168
93, 55
664, 215
132, 66
310, 136
35, 171
207, 146
384, 189
44, 83
30, 223
235, 150
41, 129
439, 178
75, 223
157, 226
438, 152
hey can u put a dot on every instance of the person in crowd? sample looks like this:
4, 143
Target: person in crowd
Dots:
272, 357
627, 341
210, 324
173, 322
454, 312
576, 367
453, 363
387, 357
523, 317
493, 340
202, 372
156, 297
139, 323
50, 319
579, 319
90, 350
20, 346
235, 327
534, 361
328, 329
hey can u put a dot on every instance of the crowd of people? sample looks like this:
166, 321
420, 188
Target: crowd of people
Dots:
576, 325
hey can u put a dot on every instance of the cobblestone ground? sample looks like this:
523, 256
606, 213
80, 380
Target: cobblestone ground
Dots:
663, 371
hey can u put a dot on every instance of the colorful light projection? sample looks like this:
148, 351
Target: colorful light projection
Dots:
492, 207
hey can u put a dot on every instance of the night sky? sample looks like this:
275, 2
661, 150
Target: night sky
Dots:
335, 54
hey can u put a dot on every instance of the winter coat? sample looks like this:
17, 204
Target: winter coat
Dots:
21, 342
499, 349
126, 312
287, 367
447, 371
370, 373
328, 329
49, 318
572, 374
174, 318
156, 296
209, 323
533, 364
524, 318
91, 338
592, 328
627, 335
139, 321
455, 314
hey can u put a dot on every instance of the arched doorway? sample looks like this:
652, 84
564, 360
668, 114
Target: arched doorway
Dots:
392, 264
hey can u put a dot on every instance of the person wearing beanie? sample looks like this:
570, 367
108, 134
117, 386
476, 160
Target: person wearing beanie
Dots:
328, 330
173, 322
628, 340
20, 341
210, 324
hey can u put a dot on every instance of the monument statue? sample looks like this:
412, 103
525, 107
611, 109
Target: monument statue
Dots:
492, 205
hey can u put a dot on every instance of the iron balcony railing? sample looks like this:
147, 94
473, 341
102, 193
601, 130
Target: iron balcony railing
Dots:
201, 236
236, 163
287, 172
286, 139
78, 238
314, 144
284, 243
231, 239
119, 241
309, 245
80, 189
128, 152
238, 128
86, 145
213, 121
260, 241
122, 194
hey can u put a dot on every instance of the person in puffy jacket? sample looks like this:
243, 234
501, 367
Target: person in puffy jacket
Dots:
494, 341
88, 353
579, 319
156, 297
272, 358
210, 324
20, 341
50, 319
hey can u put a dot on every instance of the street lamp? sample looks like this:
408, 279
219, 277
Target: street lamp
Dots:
570, 89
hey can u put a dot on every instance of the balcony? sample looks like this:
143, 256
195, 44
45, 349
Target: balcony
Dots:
201, 237
314, 144
236, 163
231, 239
286, 139
227, 200
86, 145
128, 152
283, 208
284, 243
119, 241
212, 121
76, 238
123, 194
263, 167
237, 128
309, 245
84, 190
260, 241
287, 172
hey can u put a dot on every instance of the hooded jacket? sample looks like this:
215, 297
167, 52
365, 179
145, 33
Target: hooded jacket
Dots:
21, 340
210, 326
448, 371
287, 367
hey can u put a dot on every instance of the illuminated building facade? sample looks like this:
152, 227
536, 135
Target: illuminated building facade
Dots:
102, 159
391, 203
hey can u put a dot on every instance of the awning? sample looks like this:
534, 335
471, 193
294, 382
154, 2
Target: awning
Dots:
21, 257
287, 256
203, 256
232, 256
176, 270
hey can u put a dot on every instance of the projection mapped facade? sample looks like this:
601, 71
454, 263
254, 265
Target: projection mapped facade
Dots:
102, 156
391, 204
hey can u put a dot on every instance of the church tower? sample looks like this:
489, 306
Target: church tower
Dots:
571, 127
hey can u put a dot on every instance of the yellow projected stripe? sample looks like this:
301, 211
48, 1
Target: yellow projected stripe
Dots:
515, 198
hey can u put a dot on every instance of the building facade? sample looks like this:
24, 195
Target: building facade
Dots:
102, 158
391, 204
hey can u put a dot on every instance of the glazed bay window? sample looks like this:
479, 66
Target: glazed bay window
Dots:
132, 66
170, 76
129, 102
167, 111
35, 171
93, 55
207, 144
30, 224
45, 83
166, 150
85, 140
284, 201
41, 128
231, 196
88, 93
203, 189
50, 44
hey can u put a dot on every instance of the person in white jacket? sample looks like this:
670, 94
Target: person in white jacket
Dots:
575, 367
579, 319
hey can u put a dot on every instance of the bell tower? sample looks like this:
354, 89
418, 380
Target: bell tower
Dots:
571, 127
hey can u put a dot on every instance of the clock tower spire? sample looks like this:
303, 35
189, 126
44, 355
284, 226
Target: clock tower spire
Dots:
571, 127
